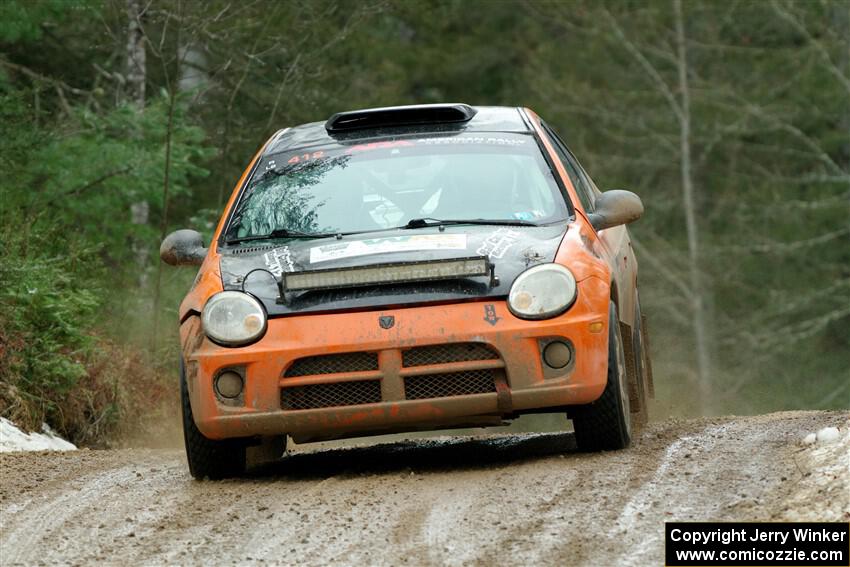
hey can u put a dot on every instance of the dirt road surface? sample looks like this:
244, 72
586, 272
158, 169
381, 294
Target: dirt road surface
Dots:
476, 500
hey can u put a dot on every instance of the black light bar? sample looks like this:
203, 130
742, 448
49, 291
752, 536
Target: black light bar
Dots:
376, 274
400, 116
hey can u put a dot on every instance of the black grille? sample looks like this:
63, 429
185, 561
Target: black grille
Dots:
452, 352
448, 385
333, 364
331, 395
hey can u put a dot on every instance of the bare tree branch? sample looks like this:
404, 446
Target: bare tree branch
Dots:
662, 268
42, 78
785, 247
77, 191
786, 15
653, 73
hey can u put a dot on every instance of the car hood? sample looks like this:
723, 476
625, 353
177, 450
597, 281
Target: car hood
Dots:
510, 249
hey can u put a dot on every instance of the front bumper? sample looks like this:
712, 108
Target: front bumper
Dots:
521, 381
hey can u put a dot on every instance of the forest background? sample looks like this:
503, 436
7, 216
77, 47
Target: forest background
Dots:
125, 119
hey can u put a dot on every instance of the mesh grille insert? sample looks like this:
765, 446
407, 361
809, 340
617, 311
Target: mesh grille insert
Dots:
448, 385
452, 352
333, 364
331, 395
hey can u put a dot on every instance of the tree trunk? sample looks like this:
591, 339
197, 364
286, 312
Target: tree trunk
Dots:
695, 275
135, 90
136, 65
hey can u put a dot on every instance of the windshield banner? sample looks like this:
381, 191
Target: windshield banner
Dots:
388, 244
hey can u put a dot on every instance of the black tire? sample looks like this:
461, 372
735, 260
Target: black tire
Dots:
208, 458
638, 384
605, 424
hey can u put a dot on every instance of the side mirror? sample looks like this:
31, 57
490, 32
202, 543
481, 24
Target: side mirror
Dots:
614, 208
183, 248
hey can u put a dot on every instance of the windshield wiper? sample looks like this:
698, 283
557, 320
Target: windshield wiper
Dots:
281, 233
411, 224
428, 221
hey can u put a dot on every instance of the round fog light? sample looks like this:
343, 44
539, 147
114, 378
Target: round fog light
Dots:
557, 354
228, 384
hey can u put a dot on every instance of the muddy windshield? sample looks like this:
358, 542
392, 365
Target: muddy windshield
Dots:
380, 185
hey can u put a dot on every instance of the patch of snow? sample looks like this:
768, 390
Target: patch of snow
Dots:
13, 439
823, 492
825, 435
828, 435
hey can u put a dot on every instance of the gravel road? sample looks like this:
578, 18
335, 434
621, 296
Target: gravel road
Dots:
488, 499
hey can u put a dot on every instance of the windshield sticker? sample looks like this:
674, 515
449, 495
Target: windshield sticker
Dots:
385, 245
498, 243
472, 140
529, 215
378, 146
279, 260
306, 157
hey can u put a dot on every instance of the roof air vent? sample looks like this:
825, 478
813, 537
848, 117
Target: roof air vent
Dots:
399, 116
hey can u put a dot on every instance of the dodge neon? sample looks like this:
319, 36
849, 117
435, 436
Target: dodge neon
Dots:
410, 268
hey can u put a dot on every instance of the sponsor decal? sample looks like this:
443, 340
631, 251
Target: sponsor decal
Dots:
490, 314
532, 256
356, 248
529, 215
306, 157
378, 146
475, 140
279, 260
498, 243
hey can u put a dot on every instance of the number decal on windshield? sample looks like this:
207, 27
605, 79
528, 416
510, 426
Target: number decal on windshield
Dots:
306, 157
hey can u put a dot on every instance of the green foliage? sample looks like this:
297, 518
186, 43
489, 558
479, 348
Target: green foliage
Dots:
48, 298
87, 174
69, 258
53, 285
23, 20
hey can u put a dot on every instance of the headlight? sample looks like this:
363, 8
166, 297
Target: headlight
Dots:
233, 318
542, 292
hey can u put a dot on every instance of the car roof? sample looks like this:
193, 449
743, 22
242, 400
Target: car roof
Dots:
485, 119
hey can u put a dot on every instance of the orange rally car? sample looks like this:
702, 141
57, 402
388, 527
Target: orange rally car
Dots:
410, 268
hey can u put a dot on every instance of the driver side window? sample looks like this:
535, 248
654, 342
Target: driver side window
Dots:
585, 192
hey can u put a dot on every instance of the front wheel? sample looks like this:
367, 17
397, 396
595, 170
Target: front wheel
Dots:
605, 424
208, 458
